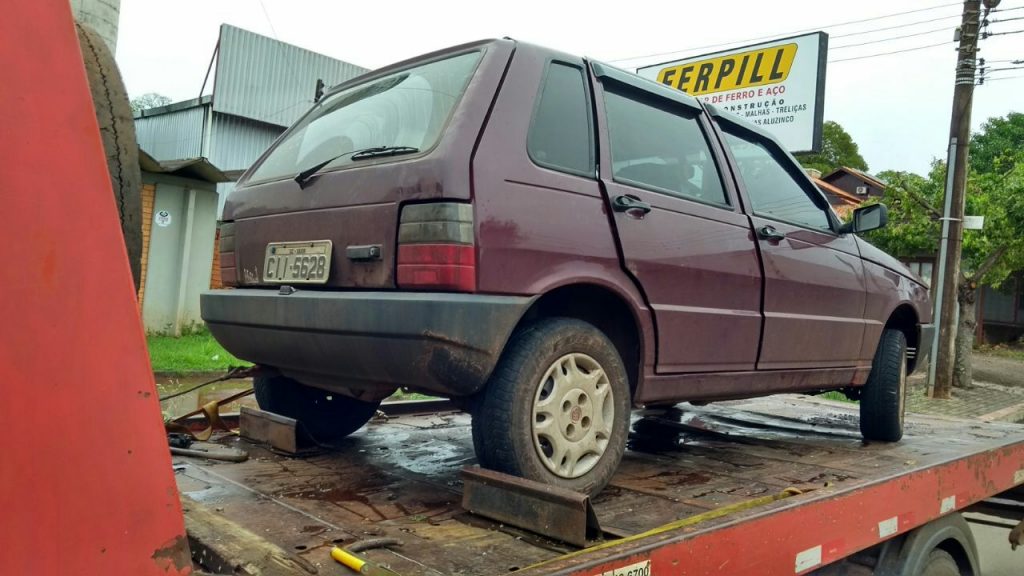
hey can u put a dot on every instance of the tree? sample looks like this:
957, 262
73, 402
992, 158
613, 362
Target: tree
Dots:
992, 149
995, 190
837, 149
149, 100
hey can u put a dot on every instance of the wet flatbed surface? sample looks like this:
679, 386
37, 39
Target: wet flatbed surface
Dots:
400, 478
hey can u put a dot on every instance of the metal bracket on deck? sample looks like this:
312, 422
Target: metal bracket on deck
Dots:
269, 428
547, 510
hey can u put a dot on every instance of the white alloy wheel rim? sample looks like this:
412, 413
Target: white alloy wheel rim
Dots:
573, 413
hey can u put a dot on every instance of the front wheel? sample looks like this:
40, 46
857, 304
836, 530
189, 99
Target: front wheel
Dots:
556, 409
326, 416
883, 398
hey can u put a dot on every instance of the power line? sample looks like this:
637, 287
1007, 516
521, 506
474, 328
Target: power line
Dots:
891, 38
1004, 69
1006, 20
836, 25
987, 80
987, 34
898, 26
892, 52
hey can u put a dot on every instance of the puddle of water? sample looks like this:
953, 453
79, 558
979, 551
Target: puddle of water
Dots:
188, 402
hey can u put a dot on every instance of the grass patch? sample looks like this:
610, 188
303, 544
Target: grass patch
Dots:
193, 352
1011, 351
837, 396
403, 395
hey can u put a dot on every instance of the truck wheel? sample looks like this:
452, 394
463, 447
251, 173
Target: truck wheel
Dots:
883, 398
324, 415
940, 563
556, 409
117, 131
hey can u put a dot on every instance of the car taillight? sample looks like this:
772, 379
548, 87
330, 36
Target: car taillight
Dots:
226, 249
435, 247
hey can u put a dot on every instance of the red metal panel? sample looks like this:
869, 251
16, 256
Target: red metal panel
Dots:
85, 476
796, 536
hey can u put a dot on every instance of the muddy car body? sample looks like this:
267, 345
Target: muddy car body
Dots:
550, 240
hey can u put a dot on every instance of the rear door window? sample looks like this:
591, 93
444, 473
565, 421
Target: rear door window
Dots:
561, 134
773, 191
661, 148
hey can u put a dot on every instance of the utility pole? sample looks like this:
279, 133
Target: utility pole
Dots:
959, 141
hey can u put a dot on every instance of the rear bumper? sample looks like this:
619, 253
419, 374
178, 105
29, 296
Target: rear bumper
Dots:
367, 341
926, 333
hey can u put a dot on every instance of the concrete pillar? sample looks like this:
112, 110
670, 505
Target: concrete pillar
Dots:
102, 16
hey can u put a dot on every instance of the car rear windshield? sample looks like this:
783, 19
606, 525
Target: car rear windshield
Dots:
408, 108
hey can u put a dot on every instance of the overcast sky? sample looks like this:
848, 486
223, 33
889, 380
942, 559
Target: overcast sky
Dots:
896, 107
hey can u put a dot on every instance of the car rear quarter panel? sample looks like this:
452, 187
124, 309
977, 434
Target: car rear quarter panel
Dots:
538, 229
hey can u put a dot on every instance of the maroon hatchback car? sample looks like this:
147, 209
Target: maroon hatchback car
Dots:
550, 241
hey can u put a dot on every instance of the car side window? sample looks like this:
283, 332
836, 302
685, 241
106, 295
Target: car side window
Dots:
561, 135
656, 145
773, 191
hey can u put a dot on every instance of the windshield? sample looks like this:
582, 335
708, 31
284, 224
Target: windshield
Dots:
408, 108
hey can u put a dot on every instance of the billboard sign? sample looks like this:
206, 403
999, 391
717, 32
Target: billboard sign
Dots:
778, 85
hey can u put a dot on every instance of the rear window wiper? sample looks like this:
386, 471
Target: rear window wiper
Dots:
383, 151
375, 152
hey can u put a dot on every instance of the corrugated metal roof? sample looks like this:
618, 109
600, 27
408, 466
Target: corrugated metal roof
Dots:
238, 142
195, 168
172, 135
270, 81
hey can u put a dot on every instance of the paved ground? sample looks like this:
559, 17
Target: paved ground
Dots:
997, 395
998, 370
996, 557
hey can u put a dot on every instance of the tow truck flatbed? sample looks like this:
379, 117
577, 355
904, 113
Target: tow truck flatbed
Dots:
778, 485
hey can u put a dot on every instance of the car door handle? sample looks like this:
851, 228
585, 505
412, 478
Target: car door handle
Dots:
627, 203
770, 234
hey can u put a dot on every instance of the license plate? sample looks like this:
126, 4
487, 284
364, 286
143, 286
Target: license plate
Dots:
297, 262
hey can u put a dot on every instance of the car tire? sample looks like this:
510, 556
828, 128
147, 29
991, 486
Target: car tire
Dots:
940, 563
325, 416
117, 131
477, 427
568, 430
883, 398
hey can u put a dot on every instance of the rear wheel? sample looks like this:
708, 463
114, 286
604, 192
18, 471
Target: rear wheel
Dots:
940, 563
326, 416
883, 398
556, 409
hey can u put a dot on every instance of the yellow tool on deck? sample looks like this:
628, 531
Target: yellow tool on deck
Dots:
360, 565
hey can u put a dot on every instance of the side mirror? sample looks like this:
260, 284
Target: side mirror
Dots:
866, 219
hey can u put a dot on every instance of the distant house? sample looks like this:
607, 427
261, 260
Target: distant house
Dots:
842, 202
855, 182
1002, 311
